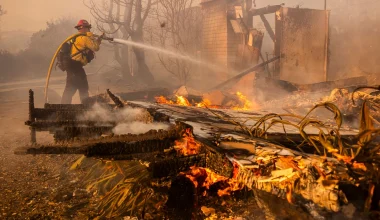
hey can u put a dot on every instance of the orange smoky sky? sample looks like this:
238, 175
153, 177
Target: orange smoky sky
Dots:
32, 15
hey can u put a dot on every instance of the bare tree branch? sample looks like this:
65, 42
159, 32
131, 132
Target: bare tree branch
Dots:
180, 34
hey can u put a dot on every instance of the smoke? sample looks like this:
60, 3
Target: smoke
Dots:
127, 119
102, 114
138, 127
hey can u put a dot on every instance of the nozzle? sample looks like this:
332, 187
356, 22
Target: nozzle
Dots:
107, 38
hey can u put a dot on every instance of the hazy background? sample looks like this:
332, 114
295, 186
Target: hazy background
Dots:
32, 15
25, 17
354, 32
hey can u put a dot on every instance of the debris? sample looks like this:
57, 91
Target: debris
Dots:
207, 211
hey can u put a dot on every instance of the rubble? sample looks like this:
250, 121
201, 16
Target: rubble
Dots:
207, 141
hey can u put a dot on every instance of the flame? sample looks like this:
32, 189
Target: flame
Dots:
247, 105
289, 193
187, 145
182, 101
163, 100
243, 99
206, 103
204, 178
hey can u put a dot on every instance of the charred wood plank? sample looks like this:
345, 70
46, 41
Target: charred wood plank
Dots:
171, 167
268, 28
151, 141
70, 133
33, 138
115, 99
266, 10
148, 95
67, 106
53, 114
125, 148
60, 125
219, 163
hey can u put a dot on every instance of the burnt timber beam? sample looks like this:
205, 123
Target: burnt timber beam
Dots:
53, 125
115, 99
245, 72
33, 138
152, 141
266, 10
268, 28
171, 167
67, 106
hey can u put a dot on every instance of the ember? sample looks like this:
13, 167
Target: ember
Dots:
203, 178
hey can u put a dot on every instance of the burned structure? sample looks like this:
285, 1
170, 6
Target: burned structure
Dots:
300, 39
199, 141
202, 147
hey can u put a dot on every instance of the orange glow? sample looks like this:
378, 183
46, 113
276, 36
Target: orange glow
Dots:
289, 193
163, 100
182, 101
204, 103
247, 105
187, 145
204, 178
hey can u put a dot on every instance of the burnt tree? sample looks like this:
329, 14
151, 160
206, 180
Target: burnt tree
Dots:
125, 19
180, 31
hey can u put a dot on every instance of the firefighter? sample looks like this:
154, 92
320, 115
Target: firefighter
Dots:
82, 52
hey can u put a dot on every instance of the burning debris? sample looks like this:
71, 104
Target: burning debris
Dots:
187, 145
237, 101
225, 156
157, 154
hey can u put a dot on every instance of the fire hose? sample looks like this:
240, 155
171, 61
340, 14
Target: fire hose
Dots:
55, 57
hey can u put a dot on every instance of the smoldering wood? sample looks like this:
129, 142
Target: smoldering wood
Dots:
115, 99
219, 156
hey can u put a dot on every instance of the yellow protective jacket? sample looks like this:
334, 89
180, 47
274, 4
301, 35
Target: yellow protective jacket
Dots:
84, 43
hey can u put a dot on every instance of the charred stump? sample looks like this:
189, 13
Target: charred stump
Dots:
182, 198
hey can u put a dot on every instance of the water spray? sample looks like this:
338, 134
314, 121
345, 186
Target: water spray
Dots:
166, 52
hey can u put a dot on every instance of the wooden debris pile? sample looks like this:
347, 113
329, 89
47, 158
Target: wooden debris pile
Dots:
296, 158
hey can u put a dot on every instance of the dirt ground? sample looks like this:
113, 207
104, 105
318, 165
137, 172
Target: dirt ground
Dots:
34, 187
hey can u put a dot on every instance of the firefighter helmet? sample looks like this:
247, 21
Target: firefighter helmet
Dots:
82, 23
